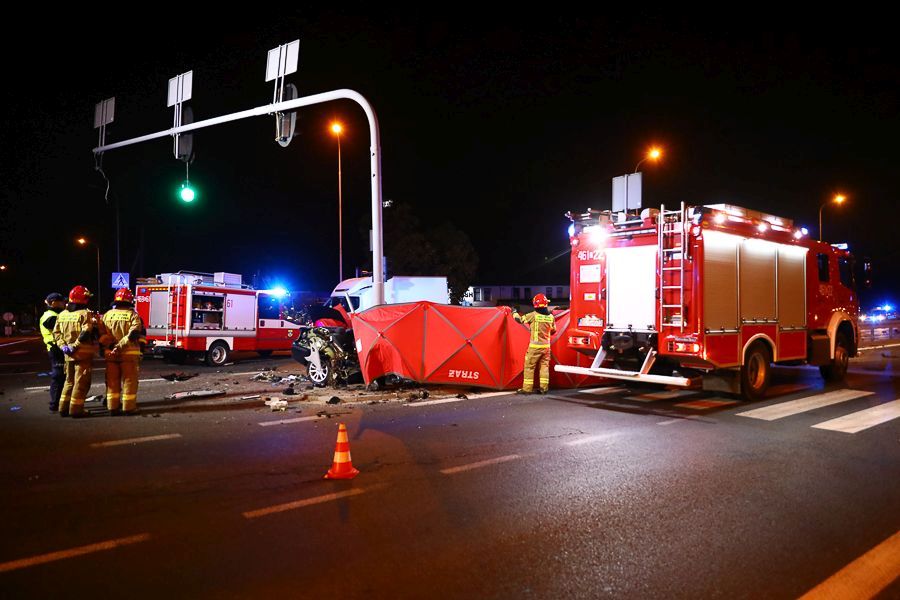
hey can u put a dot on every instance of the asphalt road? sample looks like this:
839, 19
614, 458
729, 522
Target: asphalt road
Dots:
606, 493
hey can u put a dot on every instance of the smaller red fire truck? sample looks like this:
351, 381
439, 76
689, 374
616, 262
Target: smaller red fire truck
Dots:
209, 315
707, 294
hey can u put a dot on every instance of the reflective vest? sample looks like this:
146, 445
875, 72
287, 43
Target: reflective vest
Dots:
47, 322
123, 329
542, 327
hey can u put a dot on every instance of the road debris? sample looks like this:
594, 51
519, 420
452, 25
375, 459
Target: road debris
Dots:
179, 376
254, 397
15, 408
334, 400
462, 396
276, 404
195, 394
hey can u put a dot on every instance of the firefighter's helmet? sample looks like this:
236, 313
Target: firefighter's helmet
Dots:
123, 295
540, 301
79, 295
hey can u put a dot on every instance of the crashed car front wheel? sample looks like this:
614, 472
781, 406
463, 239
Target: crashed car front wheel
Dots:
321, 373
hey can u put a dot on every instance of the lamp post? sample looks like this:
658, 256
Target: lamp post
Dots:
653, 154
337, 129
84, 242
838, 199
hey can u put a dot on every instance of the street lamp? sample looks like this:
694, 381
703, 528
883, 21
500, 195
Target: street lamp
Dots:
838, 199
84, 242
653, 154
337, 129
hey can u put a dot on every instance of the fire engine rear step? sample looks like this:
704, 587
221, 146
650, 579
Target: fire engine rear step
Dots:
625, 375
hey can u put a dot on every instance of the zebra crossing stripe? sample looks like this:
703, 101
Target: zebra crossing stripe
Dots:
863, 419
794, 407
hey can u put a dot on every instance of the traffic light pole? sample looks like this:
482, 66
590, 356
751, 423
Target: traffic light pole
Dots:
269, 109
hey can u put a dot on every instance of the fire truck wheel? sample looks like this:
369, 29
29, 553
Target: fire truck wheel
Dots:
838, 367
265, 353
755, 372
217, 355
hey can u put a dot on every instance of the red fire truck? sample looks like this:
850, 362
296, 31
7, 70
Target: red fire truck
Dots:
209, 315
710, 295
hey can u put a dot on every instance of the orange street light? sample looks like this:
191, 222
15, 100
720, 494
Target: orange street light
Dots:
2, 267
337, 129
653, 154
84, 242
838, 199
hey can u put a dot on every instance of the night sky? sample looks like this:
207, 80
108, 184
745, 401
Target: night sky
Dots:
497, 123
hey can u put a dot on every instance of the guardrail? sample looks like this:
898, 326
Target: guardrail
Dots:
878, 335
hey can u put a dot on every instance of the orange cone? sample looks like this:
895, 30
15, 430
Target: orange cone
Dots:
342, 467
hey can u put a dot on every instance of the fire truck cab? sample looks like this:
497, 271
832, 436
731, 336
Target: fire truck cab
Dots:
707, 295
209, 315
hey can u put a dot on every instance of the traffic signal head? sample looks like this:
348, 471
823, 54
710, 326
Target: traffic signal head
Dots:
187, 193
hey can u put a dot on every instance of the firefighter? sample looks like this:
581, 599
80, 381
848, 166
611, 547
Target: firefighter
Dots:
123, 339
75, 333
55, 302
542, 325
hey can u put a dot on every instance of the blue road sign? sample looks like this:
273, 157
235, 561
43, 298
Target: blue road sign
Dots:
119, 280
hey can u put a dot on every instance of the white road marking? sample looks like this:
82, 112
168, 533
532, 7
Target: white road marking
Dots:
865, 577
671, 421
602, 390
72, 552
252, 514
44, 388
491, 394
667, 395
863, 419
793, 407
138, 440
286, 421
706, 404
439, 401
19, 342
593, 438
479, 464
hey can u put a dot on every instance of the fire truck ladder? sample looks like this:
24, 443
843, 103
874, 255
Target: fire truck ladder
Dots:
175, 315
672, 241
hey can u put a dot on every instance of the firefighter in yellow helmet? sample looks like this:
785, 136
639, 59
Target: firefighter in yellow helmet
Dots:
543, 326
75, 333
56, 302
123, 340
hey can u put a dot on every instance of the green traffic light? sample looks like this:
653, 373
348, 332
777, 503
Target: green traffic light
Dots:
187, 192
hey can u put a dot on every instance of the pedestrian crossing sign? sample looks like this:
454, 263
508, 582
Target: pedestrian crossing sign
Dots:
119, 280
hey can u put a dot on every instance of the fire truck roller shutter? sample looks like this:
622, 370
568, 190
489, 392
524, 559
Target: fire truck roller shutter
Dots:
757, 281
720, 300
631, 287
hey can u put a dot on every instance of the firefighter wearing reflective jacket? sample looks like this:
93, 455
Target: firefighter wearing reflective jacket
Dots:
75, 333
543, 326
55, 302
123, 339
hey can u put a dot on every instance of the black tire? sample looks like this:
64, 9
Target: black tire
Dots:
265, 353
837, 370
756, 372
320, 377
217, 355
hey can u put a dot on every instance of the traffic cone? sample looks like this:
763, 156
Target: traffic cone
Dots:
342, 467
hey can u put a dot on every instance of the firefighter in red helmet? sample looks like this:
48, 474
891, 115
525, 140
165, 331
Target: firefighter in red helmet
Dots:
75, 333
123, 340
543, 326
